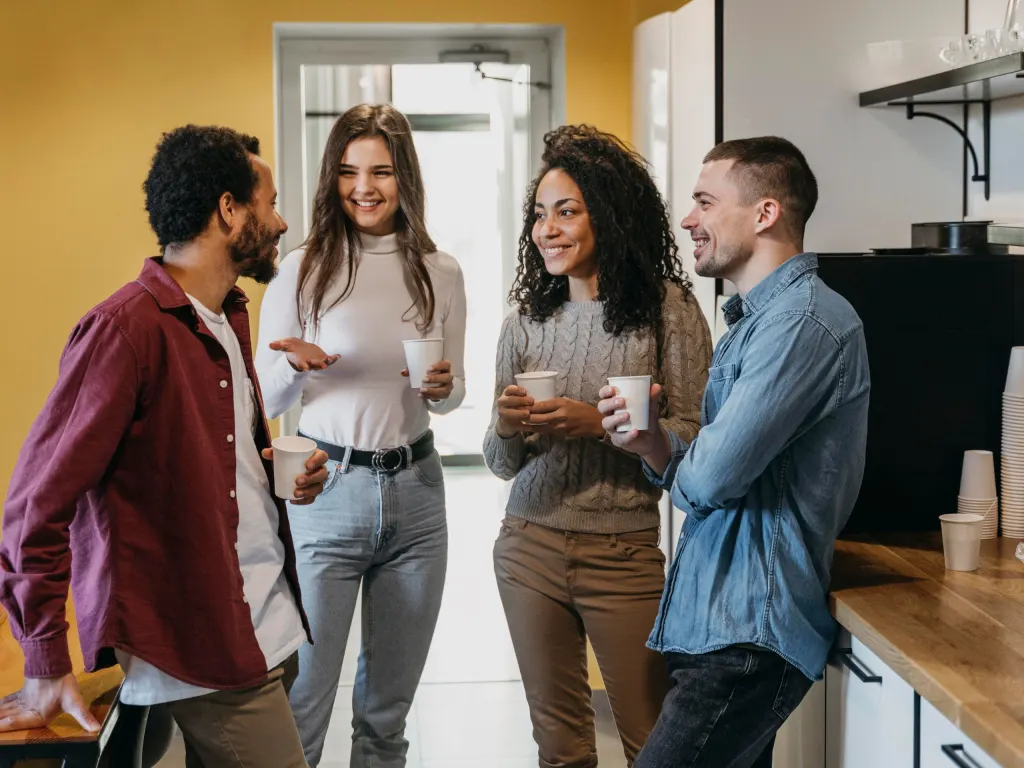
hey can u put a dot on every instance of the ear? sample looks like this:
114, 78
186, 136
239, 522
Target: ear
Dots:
769, 212
231, 213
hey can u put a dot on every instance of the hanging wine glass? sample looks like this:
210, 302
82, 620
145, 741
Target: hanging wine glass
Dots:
1011, 14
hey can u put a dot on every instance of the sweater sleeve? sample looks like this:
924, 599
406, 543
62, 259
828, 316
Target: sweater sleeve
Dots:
279, 319
454, 346
505, 456
685, 361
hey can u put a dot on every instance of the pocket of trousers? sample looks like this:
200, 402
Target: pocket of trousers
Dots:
792, 688
510, 525
429, 471
642, 547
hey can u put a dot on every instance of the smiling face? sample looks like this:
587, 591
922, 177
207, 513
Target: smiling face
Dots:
562, 229
723, 228
368, 186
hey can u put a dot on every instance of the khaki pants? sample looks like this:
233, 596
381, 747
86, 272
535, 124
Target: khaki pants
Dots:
560, 587
252, 728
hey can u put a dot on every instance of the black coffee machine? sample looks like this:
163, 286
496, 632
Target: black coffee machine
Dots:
939, 321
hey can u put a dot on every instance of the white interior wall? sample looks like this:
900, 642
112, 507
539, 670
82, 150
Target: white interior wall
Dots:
796, 70
1006, 202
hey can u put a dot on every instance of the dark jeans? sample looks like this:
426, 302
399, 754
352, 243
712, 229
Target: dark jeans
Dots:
723, 710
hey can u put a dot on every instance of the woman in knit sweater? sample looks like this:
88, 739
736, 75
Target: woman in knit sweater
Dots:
600, 292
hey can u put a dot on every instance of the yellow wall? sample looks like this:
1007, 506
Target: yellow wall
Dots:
645, 9
86, 88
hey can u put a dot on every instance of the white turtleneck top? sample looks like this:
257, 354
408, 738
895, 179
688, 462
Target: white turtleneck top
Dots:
362, 400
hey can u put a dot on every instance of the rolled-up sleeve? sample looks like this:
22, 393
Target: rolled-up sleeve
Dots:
67, 453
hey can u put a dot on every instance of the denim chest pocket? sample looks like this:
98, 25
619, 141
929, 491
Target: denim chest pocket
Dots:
720, 381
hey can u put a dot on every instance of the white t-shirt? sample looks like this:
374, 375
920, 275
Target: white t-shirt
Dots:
362, 400
275, 617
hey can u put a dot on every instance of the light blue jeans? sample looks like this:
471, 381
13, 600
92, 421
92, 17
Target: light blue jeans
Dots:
388, 534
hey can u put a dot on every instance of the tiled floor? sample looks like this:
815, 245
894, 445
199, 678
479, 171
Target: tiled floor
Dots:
470, 710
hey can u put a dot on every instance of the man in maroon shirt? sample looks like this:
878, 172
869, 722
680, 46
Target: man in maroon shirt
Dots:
147, 483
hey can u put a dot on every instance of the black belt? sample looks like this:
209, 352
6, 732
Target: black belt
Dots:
383, 460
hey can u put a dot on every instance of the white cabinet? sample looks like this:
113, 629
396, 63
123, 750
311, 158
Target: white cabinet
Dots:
943, 745
674, 114
869, 711
870, 721
800, 742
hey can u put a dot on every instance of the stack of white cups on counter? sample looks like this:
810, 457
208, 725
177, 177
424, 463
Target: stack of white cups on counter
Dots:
1012, 465
978, 491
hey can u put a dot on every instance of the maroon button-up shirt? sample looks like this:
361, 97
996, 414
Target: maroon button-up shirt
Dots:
128, 464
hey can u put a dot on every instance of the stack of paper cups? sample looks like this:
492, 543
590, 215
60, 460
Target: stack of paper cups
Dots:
978, 491
1012, 461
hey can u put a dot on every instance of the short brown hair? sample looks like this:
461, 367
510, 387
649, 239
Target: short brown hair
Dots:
769, 166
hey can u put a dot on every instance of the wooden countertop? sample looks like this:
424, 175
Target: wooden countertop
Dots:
957, 638
98, 688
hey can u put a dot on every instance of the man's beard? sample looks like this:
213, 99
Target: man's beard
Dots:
722, 261
252, 251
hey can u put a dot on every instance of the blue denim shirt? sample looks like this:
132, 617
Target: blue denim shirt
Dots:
773, 475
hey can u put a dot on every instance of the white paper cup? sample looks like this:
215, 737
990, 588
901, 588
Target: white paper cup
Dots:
978, 476
961, 541
636, 391
1015, 372
540, 385
420, 354
290, 456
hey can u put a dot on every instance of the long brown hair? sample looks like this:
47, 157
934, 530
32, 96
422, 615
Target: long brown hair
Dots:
333, 241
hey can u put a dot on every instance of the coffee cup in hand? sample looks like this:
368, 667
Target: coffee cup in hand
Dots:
636, 391
540, 385
420, 355
291, 453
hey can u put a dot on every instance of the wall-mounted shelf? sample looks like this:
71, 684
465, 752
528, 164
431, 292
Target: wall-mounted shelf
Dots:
1006, 234
980, 83
987, 80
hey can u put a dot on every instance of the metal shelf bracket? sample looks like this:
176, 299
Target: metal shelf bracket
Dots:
986, 127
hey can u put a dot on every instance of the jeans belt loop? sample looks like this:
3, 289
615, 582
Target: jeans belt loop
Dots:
346, 459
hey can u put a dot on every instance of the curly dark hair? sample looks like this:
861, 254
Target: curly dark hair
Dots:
192, 167
636, 251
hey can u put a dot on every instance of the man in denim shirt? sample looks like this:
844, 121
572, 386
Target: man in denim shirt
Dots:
772, 476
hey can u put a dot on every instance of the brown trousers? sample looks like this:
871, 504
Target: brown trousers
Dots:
560, 587
252, 728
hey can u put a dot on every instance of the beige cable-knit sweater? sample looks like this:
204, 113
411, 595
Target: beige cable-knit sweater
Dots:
588, 485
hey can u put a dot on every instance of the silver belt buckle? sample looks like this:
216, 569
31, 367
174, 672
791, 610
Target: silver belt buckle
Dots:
388, 460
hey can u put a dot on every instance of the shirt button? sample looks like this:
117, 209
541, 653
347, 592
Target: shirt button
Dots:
232, 494
223, 384
231, 438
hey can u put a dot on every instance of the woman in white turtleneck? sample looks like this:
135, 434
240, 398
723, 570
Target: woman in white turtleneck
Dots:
331, 331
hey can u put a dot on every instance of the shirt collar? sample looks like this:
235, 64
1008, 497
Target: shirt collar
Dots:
168, 293
768, 289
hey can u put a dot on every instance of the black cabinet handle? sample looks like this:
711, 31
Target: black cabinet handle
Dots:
846, 657
953, 752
